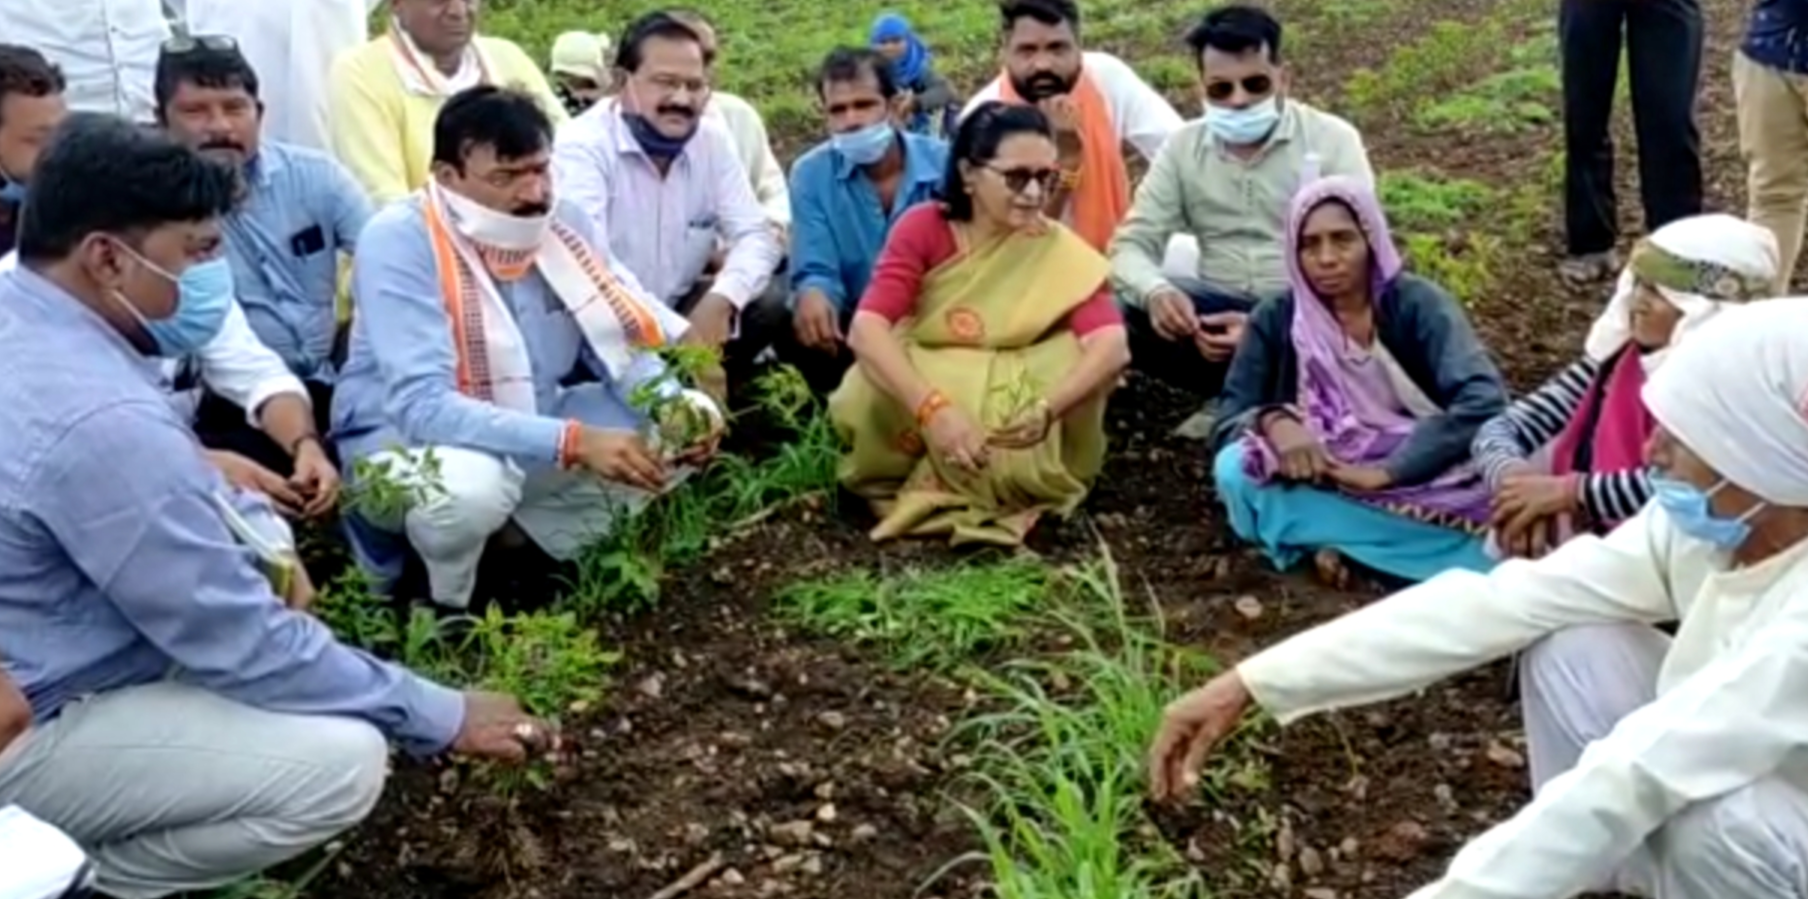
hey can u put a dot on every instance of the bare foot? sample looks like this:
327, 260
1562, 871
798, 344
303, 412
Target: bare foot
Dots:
1331, 569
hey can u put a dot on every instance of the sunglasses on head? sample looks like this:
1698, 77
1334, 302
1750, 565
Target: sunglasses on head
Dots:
189, 43
1254, 85
1017, 180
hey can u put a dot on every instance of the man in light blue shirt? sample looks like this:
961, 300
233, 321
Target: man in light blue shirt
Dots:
189, 729
477, 297
301, 210
845, 194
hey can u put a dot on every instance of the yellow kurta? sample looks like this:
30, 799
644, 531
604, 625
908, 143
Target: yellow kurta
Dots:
384, 133
989, 331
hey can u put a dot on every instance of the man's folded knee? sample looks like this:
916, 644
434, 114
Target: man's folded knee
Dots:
354, 758
1737, 832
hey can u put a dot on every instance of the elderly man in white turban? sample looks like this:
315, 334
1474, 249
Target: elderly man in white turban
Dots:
1661, 767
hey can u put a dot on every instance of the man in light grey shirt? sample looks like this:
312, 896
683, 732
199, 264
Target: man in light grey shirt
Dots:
1225, 179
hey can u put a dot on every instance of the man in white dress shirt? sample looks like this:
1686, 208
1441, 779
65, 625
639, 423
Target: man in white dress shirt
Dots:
1662, 767
107, 49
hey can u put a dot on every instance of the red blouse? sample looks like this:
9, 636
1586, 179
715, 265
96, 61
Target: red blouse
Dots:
921, 240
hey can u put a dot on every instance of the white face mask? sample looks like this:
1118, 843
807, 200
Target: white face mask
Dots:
488, 226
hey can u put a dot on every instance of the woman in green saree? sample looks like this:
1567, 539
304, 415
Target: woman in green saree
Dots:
986, 343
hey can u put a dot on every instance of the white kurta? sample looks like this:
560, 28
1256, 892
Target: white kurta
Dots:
291, 45
1731, 706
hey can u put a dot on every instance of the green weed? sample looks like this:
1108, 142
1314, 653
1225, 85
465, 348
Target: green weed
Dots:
935, 618
1059, 765
1418, 202
383, 487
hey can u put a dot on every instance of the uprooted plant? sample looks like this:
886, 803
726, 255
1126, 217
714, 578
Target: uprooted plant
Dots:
674, 423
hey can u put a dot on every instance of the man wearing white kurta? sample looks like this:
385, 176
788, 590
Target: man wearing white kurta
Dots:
291, 45
1669, 768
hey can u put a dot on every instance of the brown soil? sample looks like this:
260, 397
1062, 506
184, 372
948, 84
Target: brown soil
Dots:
724, 731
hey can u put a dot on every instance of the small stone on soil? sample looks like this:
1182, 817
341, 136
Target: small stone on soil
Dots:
1249, 607
865, 832
826, 813
1311, 863
1320, 893
732, 877
1505, 757
832, 720
792, 833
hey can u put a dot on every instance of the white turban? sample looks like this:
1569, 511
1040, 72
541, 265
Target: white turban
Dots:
1716, 242
1737, 396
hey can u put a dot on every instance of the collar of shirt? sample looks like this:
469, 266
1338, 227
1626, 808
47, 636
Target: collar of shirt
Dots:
263, 167
919, 164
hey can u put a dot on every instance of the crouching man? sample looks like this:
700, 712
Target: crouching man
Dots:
475, 299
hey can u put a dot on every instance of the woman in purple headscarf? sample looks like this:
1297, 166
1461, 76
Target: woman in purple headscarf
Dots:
1346, 419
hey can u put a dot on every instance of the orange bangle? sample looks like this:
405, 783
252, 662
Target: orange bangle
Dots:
568, 443
935, 402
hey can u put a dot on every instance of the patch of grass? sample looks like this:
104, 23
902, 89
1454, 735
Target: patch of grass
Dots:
936, 618
1510, 101
1058, 766
1417, 201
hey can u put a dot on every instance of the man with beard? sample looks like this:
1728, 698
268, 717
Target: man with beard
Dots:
477, 297
1096, 103
667, 187
386, 94
31, 105
299, 210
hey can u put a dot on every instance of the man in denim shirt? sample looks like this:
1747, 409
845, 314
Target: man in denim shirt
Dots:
299, 211
1770, 78
845, 194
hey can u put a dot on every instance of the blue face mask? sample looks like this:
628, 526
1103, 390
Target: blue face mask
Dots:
1689, 510
866, 145
1242, 127
203, 297
11, 191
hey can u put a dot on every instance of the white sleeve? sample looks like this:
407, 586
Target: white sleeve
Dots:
1145, 120
1724, 727
238, 367
1461, 619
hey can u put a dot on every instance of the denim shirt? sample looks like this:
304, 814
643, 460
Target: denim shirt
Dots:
838, 226
284, 242
1778, 35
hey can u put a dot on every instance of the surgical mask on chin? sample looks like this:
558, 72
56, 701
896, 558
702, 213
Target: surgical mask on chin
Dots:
490, 227
866, 145
203, 297
1242, 127
1689, 510
11, 191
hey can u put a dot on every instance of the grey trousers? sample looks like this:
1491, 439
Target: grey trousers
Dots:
170, 788
1751, 843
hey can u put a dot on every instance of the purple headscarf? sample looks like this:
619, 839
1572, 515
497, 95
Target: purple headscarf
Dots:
1357, 426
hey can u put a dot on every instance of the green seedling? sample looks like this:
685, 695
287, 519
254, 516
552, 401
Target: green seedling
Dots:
1013, 399
674, 423
384, 486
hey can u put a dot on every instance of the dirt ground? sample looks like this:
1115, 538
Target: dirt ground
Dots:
726, 734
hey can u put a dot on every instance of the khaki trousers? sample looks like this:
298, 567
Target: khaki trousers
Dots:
1773, 137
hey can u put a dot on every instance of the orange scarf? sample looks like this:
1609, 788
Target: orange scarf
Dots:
1102, 198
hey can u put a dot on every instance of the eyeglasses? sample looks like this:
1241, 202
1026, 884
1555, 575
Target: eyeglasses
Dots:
1017, 180
190, 43
1254, 85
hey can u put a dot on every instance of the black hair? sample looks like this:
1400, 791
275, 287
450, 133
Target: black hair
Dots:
658, 24
28, 73
104, 174
206, 64
1048, 12
1236, 29
508, 121
845, 64
976, 143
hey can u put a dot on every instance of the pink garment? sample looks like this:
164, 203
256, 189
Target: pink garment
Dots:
1608, 432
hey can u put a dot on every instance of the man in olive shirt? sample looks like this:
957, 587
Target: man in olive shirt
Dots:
1226, 180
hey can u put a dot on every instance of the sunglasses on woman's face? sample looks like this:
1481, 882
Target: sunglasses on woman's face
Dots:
1253, 85
1017, 180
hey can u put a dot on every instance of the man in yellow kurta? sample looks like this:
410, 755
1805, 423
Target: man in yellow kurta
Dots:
386, 94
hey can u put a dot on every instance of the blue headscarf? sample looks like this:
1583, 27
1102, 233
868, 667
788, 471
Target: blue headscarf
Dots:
909, 68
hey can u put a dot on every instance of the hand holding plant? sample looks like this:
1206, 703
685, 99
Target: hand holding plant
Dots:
497, 729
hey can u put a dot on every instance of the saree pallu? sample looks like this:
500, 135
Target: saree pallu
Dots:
989, 330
